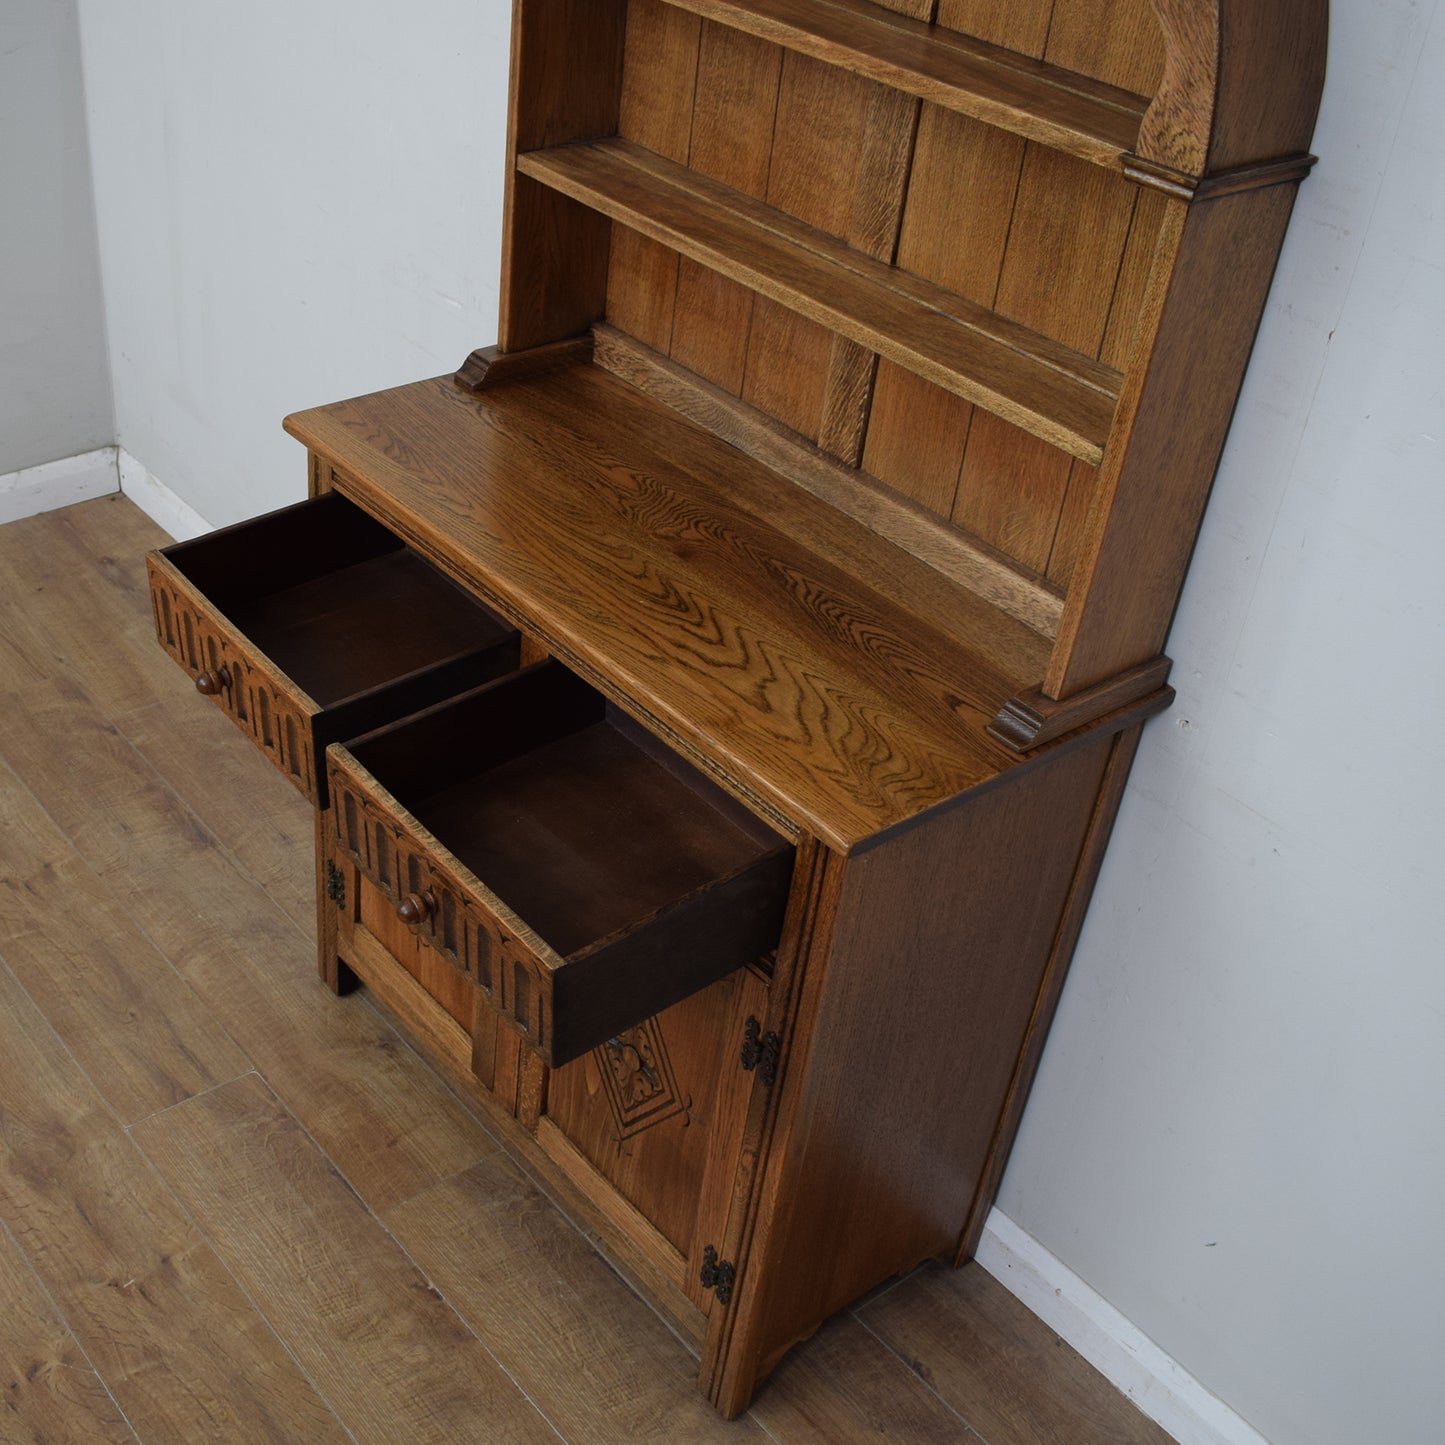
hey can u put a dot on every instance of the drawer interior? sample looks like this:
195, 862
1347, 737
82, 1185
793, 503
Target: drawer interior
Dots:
576, 817
336, 601
583, 874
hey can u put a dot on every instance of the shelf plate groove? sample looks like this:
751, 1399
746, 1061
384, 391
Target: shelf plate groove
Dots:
1037, 384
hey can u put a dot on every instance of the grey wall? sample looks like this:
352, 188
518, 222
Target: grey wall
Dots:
297, 202
54, 383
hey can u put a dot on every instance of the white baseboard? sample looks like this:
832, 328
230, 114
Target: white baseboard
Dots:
57, 484
1157, 1383
157, 500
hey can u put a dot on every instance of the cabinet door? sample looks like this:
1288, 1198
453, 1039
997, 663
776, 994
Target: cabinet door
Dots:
657, 1112
361, 935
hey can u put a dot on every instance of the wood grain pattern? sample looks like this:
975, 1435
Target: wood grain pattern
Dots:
52, 1391
831, 172
268, 827
600, 1364
451, 988
1070, 223
265, 704
593, 491
1093, 121
1071, 922
127, 1017
732, 142
184, 1352
1119, 43
389, 1123
566, 85
1205, 300
991, 1360
1241, 83
848, 1388
643, 1108
659, 76
861, 1191
391, 1356
53, 566
955, 229
977, 571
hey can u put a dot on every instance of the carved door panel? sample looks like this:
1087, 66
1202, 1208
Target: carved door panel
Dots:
658, 1111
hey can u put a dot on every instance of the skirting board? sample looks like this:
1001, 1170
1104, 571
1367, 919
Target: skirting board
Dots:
1161, 1387
32, 490
158, 502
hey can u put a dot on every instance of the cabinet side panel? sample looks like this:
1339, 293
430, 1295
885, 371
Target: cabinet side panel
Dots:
566, 85
1207, 296
919, 1012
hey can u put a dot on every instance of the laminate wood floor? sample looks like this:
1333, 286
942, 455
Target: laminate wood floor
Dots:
234, 1207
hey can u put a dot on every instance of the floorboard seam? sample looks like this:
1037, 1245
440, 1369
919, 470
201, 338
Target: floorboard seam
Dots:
913, 1370
406, 1253
70, 1329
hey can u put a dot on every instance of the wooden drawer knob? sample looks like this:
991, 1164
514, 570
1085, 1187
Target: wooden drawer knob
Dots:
416, 908
209, 683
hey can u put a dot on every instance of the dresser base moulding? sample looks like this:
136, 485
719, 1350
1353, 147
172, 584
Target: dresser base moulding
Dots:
1029, 721
491, 366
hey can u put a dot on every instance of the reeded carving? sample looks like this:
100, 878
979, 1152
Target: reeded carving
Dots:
258, 703
455, 925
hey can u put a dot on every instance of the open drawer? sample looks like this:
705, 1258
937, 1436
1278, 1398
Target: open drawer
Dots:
554, 851
316, 623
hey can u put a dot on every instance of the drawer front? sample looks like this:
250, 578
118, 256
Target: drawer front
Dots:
269, 709
454, 915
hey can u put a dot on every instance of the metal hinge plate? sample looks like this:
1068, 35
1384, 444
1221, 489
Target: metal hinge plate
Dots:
760, 1052
336, 885
717, 1275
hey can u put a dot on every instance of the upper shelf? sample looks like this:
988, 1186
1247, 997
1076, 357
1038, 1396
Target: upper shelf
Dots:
1047, 389
1041, 102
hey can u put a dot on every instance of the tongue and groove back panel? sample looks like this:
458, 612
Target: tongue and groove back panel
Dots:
948, 249
982, 212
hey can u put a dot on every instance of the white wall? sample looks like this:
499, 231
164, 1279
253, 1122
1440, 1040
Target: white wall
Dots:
297, 202
1236, 1135
54, 389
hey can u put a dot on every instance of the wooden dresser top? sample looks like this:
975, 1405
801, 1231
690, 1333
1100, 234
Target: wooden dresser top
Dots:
817, 667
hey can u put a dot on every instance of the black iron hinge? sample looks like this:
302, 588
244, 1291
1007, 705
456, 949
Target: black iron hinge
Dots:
717, 1274
760, 1052
335, 885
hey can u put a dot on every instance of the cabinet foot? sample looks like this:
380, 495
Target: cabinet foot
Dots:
339, 976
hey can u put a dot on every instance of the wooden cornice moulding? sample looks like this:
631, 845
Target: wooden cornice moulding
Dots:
1028, 722
490, 366
1288, 170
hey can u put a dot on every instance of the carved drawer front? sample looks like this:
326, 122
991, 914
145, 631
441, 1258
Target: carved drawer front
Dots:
557, 854
316, 623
